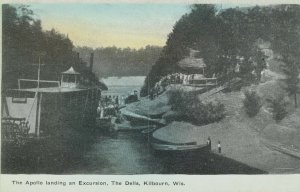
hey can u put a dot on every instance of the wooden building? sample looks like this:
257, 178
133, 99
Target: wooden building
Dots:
194, 70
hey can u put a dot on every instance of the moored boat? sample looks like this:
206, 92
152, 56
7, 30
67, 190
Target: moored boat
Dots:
133, 117
49, 110
49, 119
178, 147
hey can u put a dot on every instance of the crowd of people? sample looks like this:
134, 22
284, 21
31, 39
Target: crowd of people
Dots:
175, 78
109, 105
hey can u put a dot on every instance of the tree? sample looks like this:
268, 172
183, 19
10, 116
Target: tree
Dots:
252, 103
185, 35
291, 70
286, 42
22, 37
113, 61
230, 38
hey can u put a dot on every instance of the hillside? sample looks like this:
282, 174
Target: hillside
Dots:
260, 141
244, 139
231, 39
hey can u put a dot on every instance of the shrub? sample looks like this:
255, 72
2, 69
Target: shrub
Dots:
200, 113
278, 107
252, 103
193, 110
176, 99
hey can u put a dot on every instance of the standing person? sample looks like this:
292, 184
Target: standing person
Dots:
151, 94
135, 94
219, 146
208, 142
99, 110
117, 100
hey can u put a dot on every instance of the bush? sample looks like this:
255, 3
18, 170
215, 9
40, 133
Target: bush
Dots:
175, 99
200, 113
252, 103
193, 110
278, 107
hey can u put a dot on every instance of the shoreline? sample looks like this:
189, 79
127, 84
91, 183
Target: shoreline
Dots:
240, 136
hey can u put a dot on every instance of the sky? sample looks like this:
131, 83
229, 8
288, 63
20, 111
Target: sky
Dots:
120, 25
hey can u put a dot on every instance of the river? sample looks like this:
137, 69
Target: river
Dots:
119, 153
127, 152
130, 152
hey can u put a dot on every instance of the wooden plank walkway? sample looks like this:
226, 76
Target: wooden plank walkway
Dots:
281, 148
211, 92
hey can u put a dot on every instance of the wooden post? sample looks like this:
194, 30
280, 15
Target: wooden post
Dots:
39, 72
62, 78
4, 102
38, 114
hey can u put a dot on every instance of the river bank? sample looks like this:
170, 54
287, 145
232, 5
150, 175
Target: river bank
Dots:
242, 138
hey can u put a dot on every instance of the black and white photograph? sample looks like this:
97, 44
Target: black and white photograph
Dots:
150, 88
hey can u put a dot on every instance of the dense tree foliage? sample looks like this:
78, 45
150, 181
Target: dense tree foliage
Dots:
23, 41
229, 38
113, 61
286, 42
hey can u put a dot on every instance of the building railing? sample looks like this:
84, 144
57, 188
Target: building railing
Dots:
13, 128
38, 81
204, 82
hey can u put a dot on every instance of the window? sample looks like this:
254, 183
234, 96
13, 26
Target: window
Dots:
20, 96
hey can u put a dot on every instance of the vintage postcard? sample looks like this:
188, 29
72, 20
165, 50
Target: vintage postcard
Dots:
150, 96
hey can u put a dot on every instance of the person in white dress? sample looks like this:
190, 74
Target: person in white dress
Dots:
219, 146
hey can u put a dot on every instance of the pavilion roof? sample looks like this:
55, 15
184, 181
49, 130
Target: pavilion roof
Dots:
71, 70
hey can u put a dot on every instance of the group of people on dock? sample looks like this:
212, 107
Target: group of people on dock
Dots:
109, 105
208, 142
175, 78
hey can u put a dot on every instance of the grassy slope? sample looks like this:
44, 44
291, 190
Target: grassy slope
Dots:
240, 136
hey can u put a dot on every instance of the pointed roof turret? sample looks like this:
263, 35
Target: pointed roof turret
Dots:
71, 71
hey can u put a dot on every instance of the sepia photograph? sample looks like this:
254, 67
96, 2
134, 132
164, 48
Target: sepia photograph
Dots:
150, 88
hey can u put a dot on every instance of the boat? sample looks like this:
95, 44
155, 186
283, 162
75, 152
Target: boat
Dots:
149, 129
103, 123
177, 147
134, 117
47, 110
50, 117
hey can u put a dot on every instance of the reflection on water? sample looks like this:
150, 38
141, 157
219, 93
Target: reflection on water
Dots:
130, 153
118, 153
